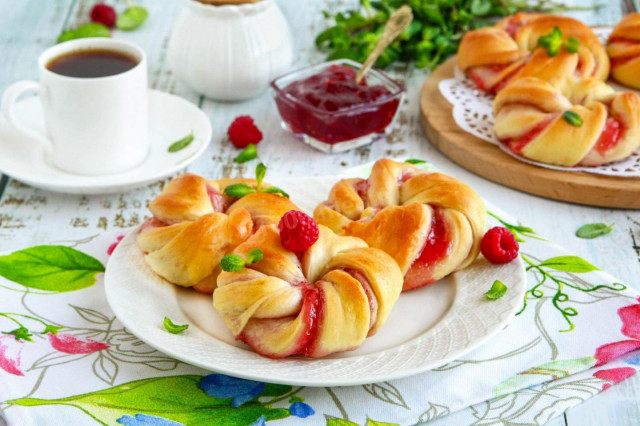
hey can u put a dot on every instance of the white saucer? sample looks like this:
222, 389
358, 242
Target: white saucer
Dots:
170, 119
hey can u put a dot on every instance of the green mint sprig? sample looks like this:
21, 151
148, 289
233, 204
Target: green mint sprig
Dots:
553, 42
239, 190
173, 328
433, 35
234, 263
415, 161
497, 290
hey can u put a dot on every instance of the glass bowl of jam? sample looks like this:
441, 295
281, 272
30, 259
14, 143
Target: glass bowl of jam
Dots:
324, 107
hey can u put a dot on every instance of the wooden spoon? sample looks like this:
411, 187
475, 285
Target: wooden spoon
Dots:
397, 23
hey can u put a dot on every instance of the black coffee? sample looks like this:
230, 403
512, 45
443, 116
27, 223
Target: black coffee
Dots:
92, 63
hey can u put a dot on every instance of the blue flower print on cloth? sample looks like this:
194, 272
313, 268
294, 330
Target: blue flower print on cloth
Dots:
144, 420
300, 409
262, 421
221, 386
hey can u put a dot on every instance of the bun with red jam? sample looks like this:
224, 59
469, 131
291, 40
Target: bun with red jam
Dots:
568, 121
430, 223
194, 225
623, 48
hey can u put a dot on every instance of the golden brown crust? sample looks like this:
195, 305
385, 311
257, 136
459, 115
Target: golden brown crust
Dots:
314, 303
623, 48
531, 103
398, 213
496, 56
195, 225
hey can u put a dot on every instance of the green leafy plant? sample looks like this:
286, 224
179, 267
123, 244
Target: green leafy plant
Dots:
181, 144
434, 34
84, 31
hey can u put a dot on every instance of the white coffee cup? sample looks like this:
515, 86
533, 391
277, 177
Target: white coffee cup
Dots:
95, 125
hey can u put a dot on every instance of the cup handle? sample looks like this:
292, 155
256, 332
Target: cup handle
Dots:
9, 99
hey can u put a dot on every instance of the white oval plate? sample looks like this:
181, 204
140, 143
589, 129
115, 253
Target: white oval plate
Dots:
427, 328
170, 118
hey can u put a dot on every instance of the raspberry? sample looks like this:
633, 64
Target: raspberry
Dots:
243, 131
499, 245
103, 14
298, 231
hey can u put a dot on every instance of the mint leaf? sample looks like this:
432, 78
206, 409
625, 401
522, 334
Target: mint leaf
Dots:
552, 42
261, 171
232, 263
572, 118
84, 31
415, 161
248, 154
275, 190
497, 290
181, 144
173, 328
254, 256
131, 18
51, 268
572, 44
593, 230
238, 190
569, 264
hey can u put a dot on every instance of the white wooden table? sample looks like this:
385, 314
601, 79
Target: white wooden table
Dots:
29, 216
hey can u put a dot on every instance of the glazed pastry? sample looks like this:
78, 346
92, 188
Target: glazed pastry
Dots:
430, 223
194, 225
494, 56
623, 48
567, 121
324, 300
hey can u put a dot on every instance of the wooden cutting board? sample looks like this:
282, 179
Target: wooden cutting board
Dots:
488, 161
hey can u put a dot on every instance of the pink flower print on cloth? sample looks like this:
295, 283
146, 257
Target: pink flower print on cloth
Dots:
10, 352
70, 344
113, 246
630, 316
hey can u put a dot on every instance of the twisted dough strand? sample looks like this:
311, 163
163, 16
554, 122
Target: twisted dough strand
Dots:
529, 118
194, 225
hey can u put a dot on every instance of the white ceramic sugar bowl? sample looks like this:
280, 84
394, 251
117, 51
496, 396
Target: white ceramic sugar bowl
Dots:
230, 52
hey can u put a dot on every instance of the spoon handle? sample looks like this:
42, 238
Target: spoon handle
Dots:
398, 21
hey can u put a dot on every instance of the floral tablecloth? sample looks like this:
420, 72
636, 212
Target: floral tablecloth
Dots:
65, 358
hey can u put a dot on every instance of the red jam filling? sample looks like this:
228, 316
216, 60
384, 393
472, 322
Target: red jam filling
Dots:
217, 199
361, 188
622, 60
152, 222
368, 291
323, 101
611, 135
518, 144
435, 249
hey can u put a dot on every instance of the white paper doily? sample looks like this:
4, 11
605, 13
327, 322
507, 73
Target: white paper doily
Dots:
473, 112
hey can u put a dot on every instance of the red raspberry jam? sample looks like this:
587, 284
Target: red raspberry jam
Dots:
330, 107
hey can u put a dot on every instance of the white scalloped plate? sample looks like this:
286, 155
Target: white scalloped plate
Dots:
427, 328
